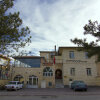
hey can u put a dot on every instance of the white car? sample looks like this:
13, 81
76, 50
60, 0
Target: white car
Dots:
14, 85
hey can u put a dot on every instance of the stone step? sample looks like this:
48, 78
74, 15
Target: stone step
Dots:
58, 81
59, 86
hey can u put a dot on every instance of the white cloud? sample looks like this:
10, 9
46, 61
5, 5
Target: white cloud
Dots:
55, 23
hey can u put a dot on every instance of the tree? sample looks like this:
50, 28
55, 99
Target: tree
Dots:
93, 48
12, 34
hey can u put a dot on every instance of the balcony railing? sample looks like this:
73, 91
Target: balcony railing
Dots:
57, 61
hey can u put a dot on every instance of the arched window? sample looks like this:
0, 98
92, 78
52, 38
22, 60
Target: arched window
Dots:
47, 71
18, 78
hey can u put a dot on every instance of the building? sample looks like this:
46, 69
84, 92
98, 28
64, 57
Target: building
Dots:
4, 70
31, 71
55, 69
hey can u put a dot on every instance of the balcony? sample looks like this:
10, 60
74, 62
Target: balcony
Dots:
51, 61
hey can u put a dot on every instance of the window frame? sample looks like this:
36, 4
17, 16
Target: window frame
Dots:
89, 71
72, 71
86, 55
49, 84
47, 72
71, 54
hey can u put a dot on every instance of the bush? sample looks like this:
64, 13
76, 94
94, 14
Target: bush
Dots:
2, 87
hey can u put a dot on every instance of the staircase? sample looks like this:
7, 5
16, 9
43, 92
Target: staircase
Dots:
59, 83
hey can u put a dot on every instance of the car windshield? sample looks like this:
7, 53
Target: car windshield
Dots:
75, 82
78, 82
12, 83
81, 83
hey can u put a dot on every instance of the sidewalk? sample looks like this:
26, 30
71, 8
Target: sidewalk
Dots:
50, 92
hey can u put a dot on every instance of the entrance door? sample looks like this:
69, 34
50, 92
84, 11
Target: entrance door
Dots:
43, 84
33, 82
58, 74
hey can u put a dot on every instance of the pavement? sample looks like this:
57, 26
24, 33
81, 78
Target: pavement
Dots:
50, 92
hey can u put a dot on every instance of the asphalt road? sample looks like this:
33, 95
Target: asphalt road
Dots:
93, 93
61, 97
50, 91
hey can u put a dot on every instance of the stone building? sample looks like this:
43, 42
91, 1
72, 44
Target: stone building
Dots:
4, 70
55, 69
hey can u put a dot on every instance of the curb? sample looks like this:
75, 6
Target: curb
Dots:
47, 94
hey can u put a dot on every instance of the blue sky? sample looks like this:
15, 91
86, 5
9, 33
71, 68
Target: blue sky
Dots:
55, 22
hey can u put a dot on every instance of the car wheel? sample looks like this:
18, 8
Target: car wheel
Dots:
16, 89
85, 89
74, 89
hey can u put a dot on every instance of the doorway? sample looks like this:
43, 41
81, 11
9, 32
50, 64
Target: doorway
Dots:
58, 74
33, 82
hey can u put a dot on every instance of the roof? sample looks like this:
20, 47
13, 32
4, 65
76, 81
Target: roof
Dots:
47, 51
62, 48
26, 57
71, 47
31, 61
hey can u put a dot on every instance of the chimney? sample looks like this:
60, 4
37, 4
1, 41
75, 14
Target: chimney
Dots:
55, 49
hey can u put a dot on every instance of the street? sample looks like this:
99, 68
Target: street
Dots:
93, 93
61, 97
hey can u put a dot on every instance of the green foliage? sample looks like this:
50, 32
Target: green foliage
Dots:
93, 48
12, 35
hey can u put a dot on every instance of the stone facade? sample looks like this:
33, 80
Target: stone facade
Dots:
65, 65
37, 72
80, 63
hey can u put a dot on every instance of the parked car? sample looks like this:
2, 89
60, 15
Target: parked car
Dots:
78, 85
74, 83
14, 85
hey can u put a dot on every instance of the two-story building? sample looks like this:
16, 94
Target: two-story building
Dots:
55, 69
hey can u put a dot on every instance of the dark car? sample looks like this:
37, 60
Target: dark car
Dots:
73, 84
78, 85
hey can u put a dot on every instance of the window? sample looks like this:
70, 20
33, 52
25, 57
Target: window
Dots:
71, 54
72, 71
18, 83
47, 71
47, 56
3, 74
52, 54
86, 55
18, 78
89, 71
50, 84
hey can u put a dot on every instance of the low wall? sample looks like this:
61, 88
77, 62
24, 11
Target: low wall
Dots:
3, 82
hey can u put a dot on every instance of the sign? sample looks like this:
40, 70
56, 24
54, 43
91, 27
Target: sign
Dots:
65, 76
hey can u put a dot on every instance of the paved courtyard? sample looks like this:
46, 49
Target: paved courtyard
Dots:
50, 92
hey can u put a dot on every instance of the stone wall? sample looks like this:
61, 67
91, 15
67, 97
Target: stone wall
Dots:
26, 72
80, 63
